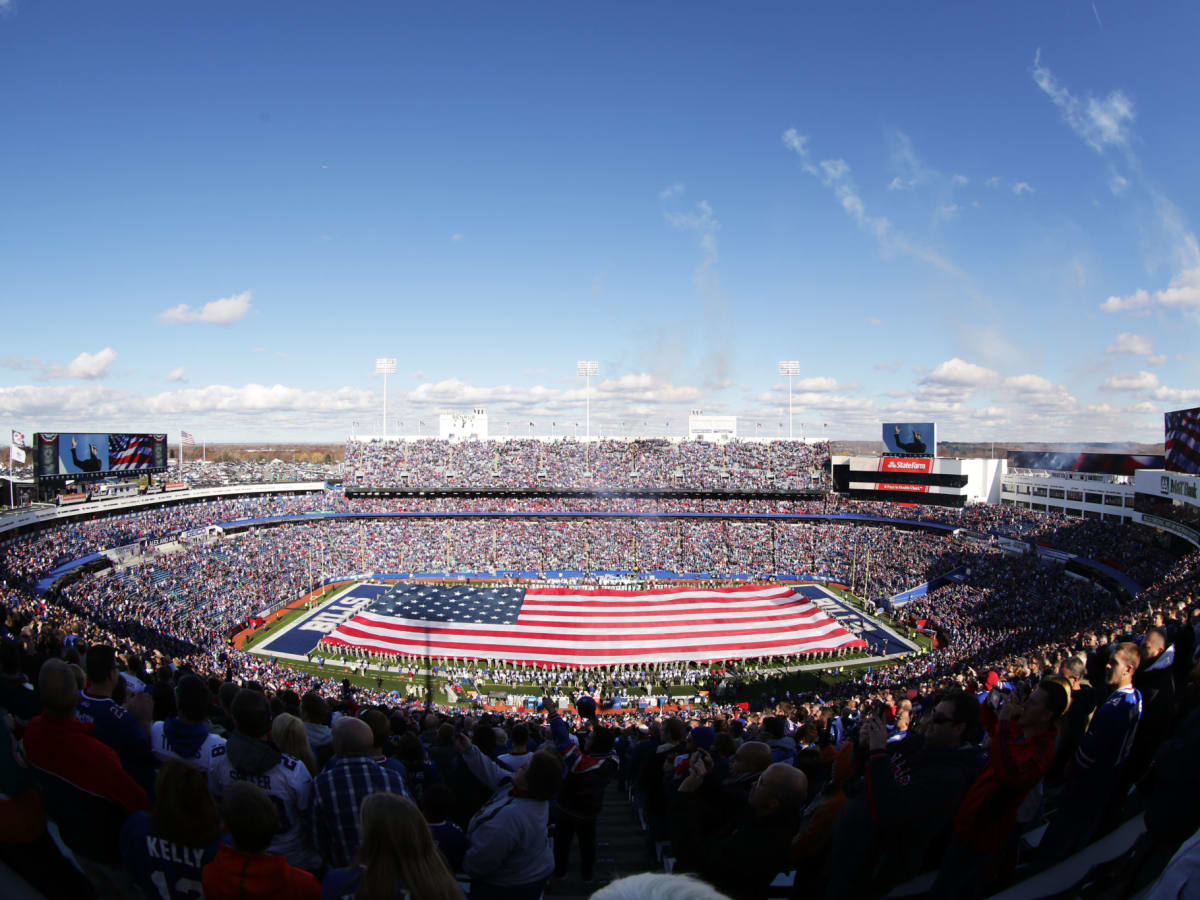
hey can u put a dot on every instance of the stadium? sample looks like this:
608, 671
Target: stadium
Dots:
673, 451
736, 584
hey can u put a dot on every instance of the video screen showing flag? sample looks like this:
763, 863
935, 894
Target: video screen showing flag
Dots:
1182, 439
92, 455
585, 627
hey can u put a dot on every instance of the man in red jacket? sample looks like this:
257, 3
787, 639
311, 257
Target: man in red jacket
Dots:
1023, 737
86, 791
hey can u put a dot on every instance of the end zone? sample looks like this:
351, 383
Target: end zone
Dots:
300, 637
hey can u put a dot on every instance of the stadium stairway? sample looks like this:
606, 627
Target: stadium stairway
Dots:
620, 849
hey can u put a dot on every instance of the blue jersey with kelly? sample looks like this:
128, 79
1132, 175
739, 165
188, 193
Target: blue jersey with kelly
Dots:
163, 869
1109, 738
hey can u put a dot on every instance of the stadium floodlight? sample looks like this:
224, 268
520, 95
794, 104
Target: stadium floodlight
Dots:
587, 368
385, 366
790, 368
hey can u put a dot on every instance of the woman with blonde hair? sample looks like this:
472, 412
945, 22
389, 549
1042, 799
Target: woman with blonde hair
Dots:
289, 735
397, 857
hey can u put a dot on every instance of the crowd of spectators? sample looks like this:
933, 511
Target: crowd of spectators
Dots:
645, 463
169, 761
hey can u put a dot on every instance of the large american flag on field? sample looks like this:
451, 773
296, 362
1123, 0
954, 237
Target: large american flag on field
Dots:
579, 627
1183, 440
130, 451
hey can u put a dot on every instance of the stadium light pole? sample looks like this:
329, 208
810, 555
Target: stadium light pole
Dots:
790, 368
385, 366
587, 368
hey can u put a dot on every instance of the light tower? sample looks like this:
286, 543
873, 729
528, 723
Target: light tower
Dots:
790, 368
385, 366
587, 368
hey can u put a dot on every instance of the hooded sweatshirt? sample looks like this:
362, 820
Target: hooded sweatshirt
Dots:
190, 741
234, 875
286, 781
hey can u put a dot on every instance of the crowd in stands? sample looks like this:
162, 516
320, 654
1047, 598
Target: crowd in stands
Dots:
211, 473
648, 463
166, 774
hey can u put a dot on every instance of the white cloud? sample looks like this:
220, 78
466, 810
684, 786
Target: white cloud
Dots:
835, 175
1183, 293
1034, 391
702, 219
1117, 183
456, 237
960, 373
1177, 395
1134, 344
218, 312
176, 374
993, 182
904, 160
86, 365
1099, 122
875, 321
1022, 187
1145, 407
1133, 381
671, 191
960, 181
1156, 359
948, 210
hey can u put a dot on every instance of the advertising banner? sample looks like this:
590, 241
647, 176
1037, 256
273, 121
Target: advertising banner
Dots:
918, 438
905, 464
1092, 463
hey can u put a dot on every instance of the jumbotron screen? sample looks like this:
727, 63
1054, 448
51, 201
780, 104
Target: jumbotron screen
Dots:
87, 456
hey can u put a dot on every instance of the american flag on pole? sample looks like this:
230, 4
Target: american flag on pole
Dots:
1183, 440
577, 627
187, 438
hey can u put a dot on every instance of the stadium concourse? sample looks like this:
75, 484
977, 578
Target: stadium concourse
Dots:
1046, 741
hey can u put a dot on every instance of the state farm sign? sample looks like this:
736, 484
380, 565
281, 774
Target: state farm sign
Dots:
922, 464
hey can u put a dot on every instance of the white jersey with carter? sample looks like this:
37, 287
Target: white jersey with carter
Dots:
290, 787
203, 758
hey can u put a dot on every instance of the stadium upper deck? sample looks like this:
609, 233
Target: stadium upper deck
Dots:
530, 464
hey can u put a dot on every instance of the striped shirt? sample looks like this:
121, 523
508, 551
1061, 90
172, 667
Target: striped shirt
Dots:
339, 791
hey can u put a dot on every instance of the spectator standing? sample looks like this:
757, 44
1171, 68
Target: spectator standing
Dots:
246, 870
508, 845
450, 839
1023, 738
124, 728
250, 756
187, 736
290, 736
1095, 772
588, 771
84, 788
166, 850
397, 857
351, 776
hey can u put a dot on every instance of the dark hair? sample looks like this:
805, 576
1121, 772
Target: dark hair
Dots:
602, 741
437, 802
544, 776
250, 816
410, 750
381, 729
966, 711
314, 708
184, 810
101, 661
772, 727
484, 738
673, 730
1058, 698
519, 734
192, 698
251, 713
227, 692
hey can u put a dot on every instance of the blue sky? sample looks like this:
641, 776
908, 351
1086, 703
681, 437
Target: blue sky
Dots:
216, 216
